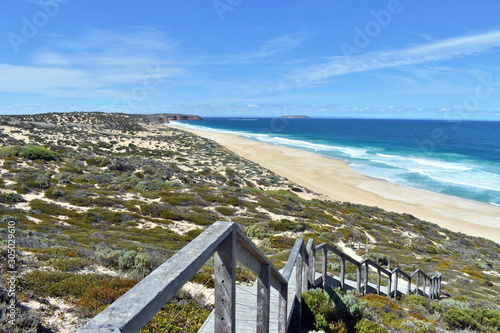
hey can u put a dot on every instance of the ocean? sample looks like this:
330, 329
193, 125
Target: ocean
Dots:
457, 158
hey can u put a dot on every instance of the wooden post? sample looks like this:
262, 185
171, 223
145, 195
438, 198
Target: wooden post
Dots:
389, 285
389, 264
225, 285
408, 290
283, 311
305, 276
359, 247
323, 266
365, 291
378, 258
396, 285
439, 288
312, 267
263, 299
297, 311
358, 281
418, 283
378, 280
425, 286
342, 272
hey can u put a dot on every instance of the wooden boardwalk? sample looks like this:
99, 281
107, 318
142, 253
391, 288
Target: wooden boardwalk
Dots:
246, 308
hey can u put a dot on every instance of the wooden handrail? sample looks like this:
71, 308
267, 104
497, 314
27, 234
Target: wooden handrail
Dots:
392, 287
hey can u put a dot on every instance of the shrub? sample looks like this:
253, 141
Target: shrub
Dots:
10, 151
127, 260
226, 211
184, 313
353, 305
448, 303
57, 284
319, 310
456, 318
484, 265
287, 225
39, 153
257, 231
145, 185
431, 249
54, 193
382, 258
366, 326
487, 318
103, 294
48, 208
98, 161
11, 198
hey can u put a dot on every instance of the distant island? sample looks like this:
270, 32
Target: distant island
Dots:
301, 117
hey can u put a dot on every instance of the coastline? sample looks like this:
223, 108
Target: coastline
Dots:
336, 180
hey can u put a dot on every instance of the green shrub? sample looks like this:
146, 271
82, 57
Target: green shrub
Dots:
127, 260
226, 211
257, 231
11, 198
366, 326
456, 318
39, 153
319, 310
184, 313
54, 193
145, 185
487, 318
485, 266
48, 208
286, 225
70, 264
10, 151
431, 249
57, 284
98, 161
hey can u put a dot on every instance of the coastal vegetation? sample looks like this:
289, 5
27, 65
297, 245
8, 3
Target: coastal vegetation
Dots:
100, 200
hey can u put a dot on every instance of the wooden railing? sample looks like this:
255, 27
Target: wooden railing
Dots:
228, 244
434, 286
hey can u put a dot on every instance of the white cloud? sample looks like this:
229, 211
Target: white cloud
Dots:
429, 52
99, 63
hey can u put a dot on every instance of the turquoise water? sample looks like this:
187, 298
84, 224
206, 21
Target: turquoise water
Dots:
458, 158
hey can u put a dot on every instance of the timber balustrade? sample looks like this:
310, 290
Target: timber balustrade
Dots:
228, 244
431, 285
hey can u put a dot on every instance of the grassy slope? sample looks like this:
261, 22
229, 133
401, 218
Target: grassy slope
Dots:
126, 193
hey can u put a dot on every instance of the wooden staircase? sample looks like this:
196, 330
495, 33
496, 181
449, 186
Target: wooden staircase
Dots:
272, 303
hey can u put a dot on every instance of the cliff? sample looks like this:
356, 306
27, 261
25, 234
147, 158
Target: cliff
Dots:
166, 117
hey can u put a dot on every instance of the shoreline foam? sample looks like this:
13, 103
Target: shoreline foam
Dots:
334, 178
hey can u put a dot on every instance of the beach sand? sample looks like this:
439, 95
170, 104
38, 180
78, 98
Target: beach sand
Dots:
336, 180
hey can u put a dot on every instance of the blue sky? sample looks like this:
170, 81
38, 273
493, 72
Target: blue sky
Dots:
380, 59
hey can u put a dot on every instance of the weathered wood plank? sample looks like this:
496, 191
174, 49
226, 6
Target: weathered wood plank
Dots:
263, 298
225, 285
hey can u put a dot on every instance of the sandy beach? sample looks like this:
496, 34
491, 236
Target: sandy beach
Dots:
336, 180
